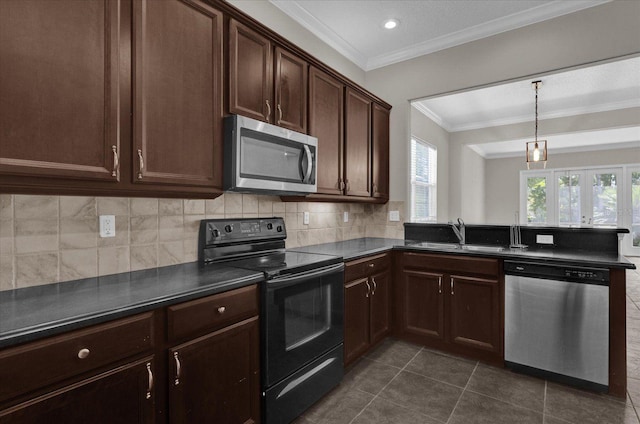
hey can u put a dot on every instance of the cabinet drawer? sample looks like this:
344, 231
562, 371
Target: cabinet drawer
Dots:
366, 266
39, 364
212, 312
452, 264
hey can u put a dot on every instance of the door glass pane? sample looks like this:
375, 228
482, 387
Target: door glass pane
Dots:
569, 199
605, 199
536, 200
635, 208
307, 315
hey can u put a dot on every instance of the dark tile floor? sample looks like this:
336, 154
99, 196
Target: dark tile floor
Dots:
401, 383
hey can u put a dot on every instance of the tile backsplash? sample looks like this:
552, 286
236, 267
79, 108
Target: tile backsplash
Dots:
46, 239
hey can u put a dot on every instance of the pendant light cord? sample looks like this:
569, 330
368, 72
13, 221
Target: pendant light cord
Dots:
536, 84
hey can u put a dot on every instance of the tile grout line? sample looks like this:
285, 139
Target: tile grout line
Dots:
463, 390
386, 385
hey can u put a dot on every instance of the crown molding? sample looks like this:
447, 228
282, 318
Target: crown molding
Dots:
422, 108
558, 151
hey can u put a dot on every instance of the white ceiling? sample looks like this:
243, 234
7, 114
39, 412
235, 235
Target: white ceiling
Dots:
354, 27
598, 88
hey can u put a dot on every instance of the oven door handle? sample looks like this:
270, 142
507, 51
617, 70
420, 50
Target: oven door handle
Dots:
280, 282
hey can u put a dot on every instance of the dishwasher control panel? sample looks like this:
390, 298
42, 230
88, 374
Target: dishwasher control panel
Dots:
576, 274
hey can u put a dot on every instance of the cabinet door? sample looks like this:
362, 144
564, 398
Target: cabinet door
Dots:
356, 319
475, 313
122, 395
59, 89
380, 145
357, 144
380, 304
250, 73
326, 96
177, 101
291, 91
216, 378
423, 301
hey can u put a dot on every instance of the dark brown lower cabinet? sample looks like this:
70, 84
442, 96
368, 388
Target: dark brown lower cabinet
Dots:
356, 319
215, 378
122, 395
441, 304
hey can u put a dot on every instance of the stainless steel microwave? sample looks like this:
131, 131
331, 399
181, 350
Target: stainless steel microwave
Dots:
260, 157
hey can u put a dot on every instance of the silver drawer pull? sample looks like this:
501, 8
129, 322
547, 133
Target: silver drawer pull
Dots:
375, 286
372, 265
177, 379
439, 285
452, 293
221, 309
150, 388
368, 289
83, 353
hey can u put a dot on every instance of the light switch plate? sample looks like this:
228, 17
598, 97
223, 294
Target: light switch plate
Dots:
345, 216
107, 226
544, 239
305, 218
394, 216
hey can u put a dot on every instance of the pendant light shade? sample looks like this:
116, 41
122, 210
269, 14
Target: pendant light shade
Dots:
537, 149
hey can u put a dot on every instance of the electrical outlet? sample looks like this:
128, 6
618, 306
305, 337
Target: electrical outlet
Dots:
544, 239
394, 216
107, 226
345, 217
305, 218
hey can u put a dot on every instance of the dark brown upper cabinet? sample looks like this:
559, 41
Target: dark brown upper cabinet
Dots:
178, 90
380, 147
357, 168
59, 82
326, 101
266, 82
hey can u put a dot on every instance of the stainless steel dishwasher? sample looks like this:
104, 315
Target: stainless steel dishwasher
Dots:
557, 322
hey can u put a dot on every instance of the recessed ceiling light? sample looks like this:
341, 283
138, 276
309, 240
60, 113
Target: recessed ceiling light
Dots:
391, 23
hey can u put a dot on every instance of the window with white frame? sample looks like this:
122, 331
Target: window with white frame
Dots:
423, 181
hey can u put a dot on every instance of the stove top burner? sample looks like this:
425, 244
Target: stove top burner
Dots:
285, 262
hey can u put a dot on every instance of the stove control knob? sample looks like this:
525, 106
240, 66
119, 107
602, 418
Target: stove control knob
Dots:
215, 233
279, 229
269, 226
227, 228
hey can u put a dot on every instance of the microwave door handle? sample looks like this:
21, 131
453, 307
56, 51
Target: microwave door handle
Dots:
307, 174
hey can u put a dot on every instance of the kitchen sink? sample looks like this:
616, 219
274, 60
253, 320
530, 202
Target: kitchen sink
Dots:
434, 245
482, 248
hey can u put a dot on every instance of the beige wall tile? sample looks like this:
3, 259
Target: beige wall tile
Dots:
214, 206
78, 207
265, 206
250, 215
279, 208
140, 206
191, 226
6, 237
6, 272
291, 207
249, 203
190, 250
303, 238
36, 235
144, 229
144, 256
122, 233
35, 207
170, 207
113, 260
78, 233
113, 206
291, 221
194, 206
33, 270
170, 253
170, 228
79, 263
6, 207
292, 239
232, 203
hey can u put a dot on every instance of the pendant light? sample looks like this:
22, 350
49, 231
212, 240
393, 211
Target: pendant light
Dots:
536, 150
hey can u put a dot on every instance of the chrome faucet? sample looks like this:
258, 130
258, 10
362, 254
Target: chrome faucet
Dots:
458, 230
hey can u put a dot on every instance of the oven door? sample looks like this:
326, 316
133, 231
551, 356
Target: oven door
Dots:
302, 320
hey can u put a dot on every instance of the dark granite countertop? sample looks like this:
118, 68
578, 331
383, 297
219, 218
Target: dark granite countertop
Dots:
35, 312
353, 249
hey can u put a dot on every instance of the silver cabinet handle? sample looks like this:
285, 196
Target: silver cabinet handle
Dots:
221, 310
452, 293
150, 388
368, 288
371, 265
116, 161
340, 184
279, 113
268, 110
440, 285
175, 358
141, 166
347, 186
375, 285
83, 353
375, 188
